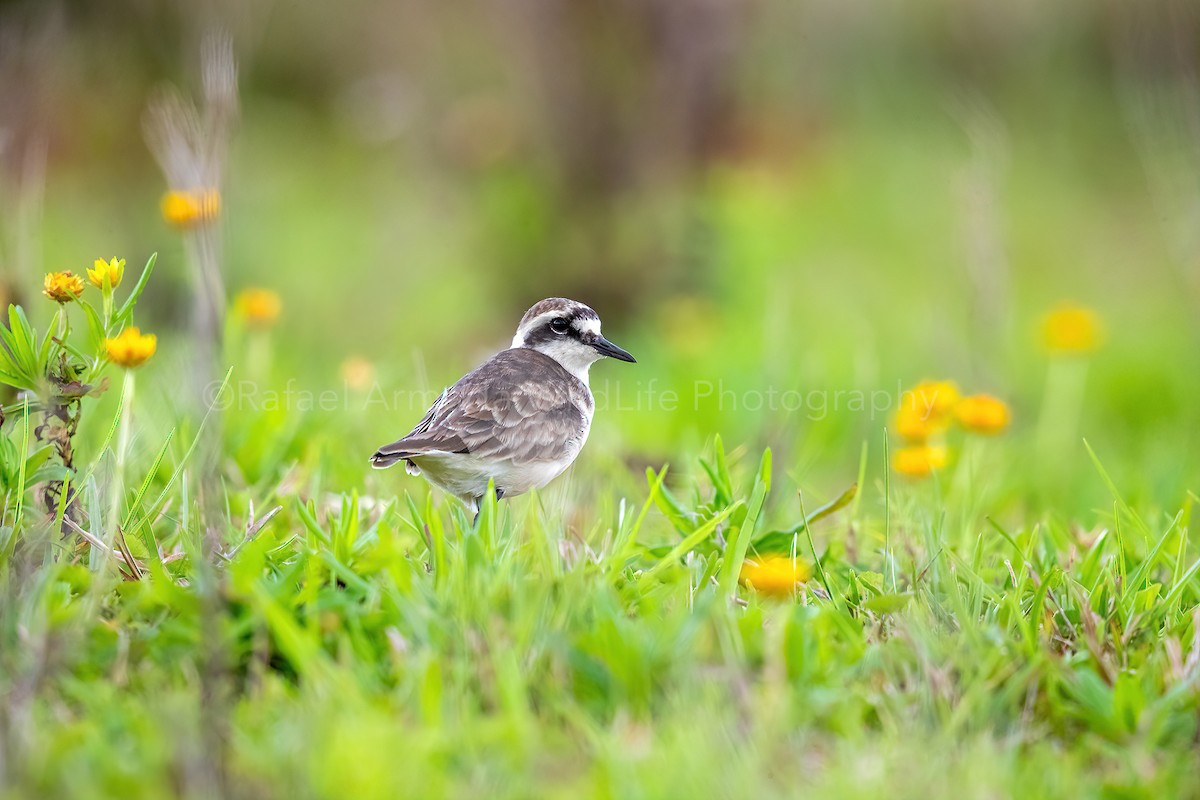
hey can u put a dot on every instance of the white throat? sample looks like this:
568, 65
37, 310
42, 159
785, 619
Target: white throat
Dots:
574, 357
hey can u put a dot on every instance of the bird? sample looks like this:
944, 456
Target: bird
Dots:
518, 420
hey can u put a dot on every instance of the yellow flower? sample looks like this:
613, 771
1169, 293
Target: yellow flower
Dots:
774, 575
925, 409
358, 373
188, 208
982, 413
62, 287
258, 307
114, 270
131, 347
920, 460
1071, 328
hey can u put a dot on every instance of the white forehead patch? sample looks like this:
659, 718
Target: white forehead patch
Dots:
588, 325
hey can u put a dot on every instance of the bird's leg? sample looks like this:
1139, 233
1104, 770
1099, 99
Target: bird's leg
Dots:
477, 504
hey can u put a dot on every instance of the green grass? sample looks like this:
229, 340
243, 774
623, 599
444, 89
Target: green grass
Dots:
365, 649
1024, 624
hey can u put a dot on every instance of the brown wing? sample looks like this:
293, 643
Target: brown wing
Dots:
520, 404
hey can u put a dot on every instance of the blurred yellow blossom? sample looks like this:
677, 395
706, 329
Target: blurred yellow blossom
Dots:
131, 347
114, 270
358, 373
774, 575
925, 409
920, 460
260, 308
1072, 329
188, 208
982, 413
62, 287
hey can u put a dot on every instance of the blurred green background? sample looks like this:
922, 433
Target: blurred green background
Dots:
756, 195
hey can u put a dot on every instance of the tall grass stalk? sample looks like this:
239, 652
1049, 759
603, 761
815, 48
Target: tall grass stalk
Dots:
120, 456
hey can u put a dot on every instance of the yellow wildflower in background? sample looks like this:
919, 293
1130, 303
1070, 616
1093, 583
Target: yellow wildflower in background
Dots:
131, 347
982, 413
114, 270
1072, 329
774, 575
260, 308
358, 373
62, 287
925, 409
919, 460
188, 208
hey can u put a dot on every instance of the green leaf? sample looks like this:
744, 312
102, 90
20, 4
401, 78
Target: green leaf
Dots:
22, 475
690, 541
781, 541
24, 338
96, 332
125, 313
739, 539
887, 603
683, 520
14, 380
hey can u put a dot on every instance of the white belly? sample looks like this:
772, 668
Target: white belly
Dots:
466, 476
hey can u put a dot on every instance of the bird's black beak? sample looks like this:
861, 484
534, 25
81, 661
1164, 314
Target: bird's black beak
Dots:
607, 348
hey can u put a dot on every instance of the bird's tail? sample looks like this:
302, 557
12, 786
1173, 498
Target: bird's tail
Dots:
385, 457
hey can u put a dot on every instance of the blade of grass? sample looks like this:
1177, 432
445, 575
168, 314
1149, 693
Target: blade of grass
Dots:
739, 542
153, 508
689, 542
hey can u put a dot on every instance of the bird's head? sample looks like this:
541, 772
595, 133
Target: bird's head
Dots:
568, 332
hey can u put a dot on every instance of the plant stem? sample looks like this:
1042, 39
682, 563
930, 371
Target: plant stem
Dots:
123, 432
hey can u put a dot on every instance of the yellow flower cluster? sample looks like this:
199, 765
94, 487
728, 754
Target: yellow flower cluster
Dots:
131, 348
774, 575
927, 411
188, 208
920, 459
65, 286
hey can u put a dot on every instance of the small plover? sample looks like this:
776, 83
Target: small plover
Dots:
521, 418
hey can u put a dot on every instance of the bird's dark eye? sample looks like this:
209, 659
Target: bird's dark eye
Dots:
559, 325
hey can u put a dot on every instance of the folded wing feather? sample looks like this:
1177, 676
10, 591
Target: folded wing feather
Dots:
520, 404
